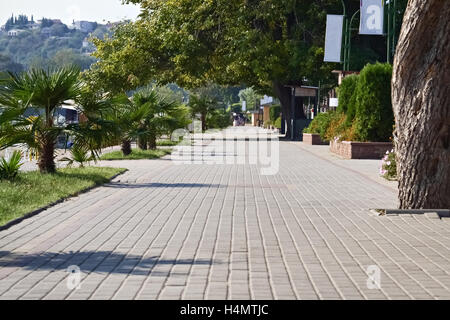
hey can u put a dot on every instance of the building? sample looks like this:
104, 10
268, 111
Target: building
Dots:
14, 32
84, 26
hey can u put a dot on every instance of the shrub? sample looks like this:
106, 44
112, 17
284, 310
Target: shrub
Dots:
320, 124
10, 168
347, 97
79, 155
389, 166
374, 116
277, 123
218, 119
275, 112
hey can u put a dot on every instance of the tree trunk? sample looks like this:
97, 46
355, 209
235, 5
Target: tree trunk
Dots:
142, 143
152, 142
284, 95
46, 162
420, 94
203, 120
126, 147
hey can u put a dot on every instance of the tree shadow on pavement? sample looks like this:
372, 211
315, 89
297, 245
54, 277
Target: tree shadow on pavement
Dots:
94, 261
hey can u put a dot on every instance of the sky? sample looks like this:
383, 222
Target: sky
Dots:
101, 11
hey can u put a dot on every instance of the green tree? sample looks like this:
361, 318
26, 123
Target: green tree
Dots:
267, 45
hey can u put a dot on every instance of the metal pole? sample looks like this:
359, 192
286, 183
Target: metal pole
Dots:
389, 32
394, 32
345, 35
350, 37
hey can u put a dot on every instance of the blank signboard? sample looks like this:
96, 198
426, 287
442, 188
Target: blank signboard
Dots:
333, 38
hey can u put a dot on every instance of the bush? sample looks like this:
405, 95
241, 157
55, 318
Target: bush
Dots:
219, 119
277, 123
10, 168
275, 112
320, 124
347, 97
389, 166
374, 116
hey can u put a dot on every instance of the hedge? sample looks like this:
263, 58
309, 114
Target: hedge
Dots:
374, 119
347, 97
320, 124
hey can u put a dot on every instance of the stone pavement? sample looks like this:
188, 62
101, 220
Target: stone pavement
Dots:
203, 231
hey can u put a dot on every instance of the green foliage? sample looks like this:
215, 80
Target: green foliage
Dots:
263, 44
277, 123
32, 190
251, 97
320, 124
347, 96
275, 112
79, 155
218, 119
236, 108
10, 168
374, 115
34, 49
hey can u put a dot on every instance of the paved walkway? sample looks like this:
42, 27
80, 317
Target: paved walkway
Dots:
166, 231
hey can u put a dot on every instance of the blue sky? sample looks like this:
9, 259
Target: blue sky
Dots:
68, 10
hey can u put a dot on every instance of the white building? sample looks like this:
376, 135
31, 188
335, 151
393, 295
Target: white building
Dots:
14, 32
84, 26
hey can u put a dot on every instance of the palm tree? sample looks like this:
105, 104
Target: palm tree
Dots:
43, 91
145, 117
202, 105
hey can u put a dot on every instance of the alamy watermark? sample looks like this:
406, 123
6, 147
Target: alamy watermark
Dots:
374, 277
246, 145
74, 278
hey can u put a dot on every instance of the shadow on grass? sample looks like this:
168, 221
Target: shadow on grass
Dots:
94, 261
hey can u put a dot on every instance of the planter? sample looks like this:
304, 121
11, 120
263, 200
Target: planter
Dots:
313, 139
360, 150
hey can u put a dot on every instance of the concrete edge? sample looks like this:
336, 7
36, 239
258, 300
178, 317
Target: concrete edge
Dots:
429, 213
37, 211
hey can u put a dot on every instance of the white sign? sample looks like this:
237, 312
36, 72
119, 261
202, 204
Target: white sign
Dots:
266, 100
333, 38
372, 17
244, 106
334, 102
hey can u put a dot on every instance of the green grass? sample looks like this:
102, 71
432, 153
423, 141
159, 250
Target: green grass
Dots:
136, 154
31, 190
166, 143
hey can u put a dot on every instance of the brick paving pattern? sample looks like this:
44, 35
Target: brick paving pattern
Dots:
198, 231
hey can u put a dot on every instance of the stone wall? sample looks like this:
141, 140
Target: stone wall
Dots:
313, 139
360, 150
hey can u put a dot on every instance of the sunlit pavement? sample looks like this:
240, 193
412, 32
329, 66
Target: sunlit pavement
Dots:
167, 230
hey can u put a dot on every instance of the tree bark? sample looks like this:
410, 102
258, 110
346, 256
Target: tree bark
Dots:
203, 120
283, 93
126, 147
420, 95
152, 142
46, 162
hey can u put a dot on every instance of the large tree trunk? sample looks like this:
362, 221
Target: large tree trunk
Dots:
46, 162
421, 92
283, 93
126, 147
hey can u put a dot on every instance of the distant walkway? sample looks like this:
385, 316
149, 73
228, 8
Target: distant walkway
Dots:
166, 231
